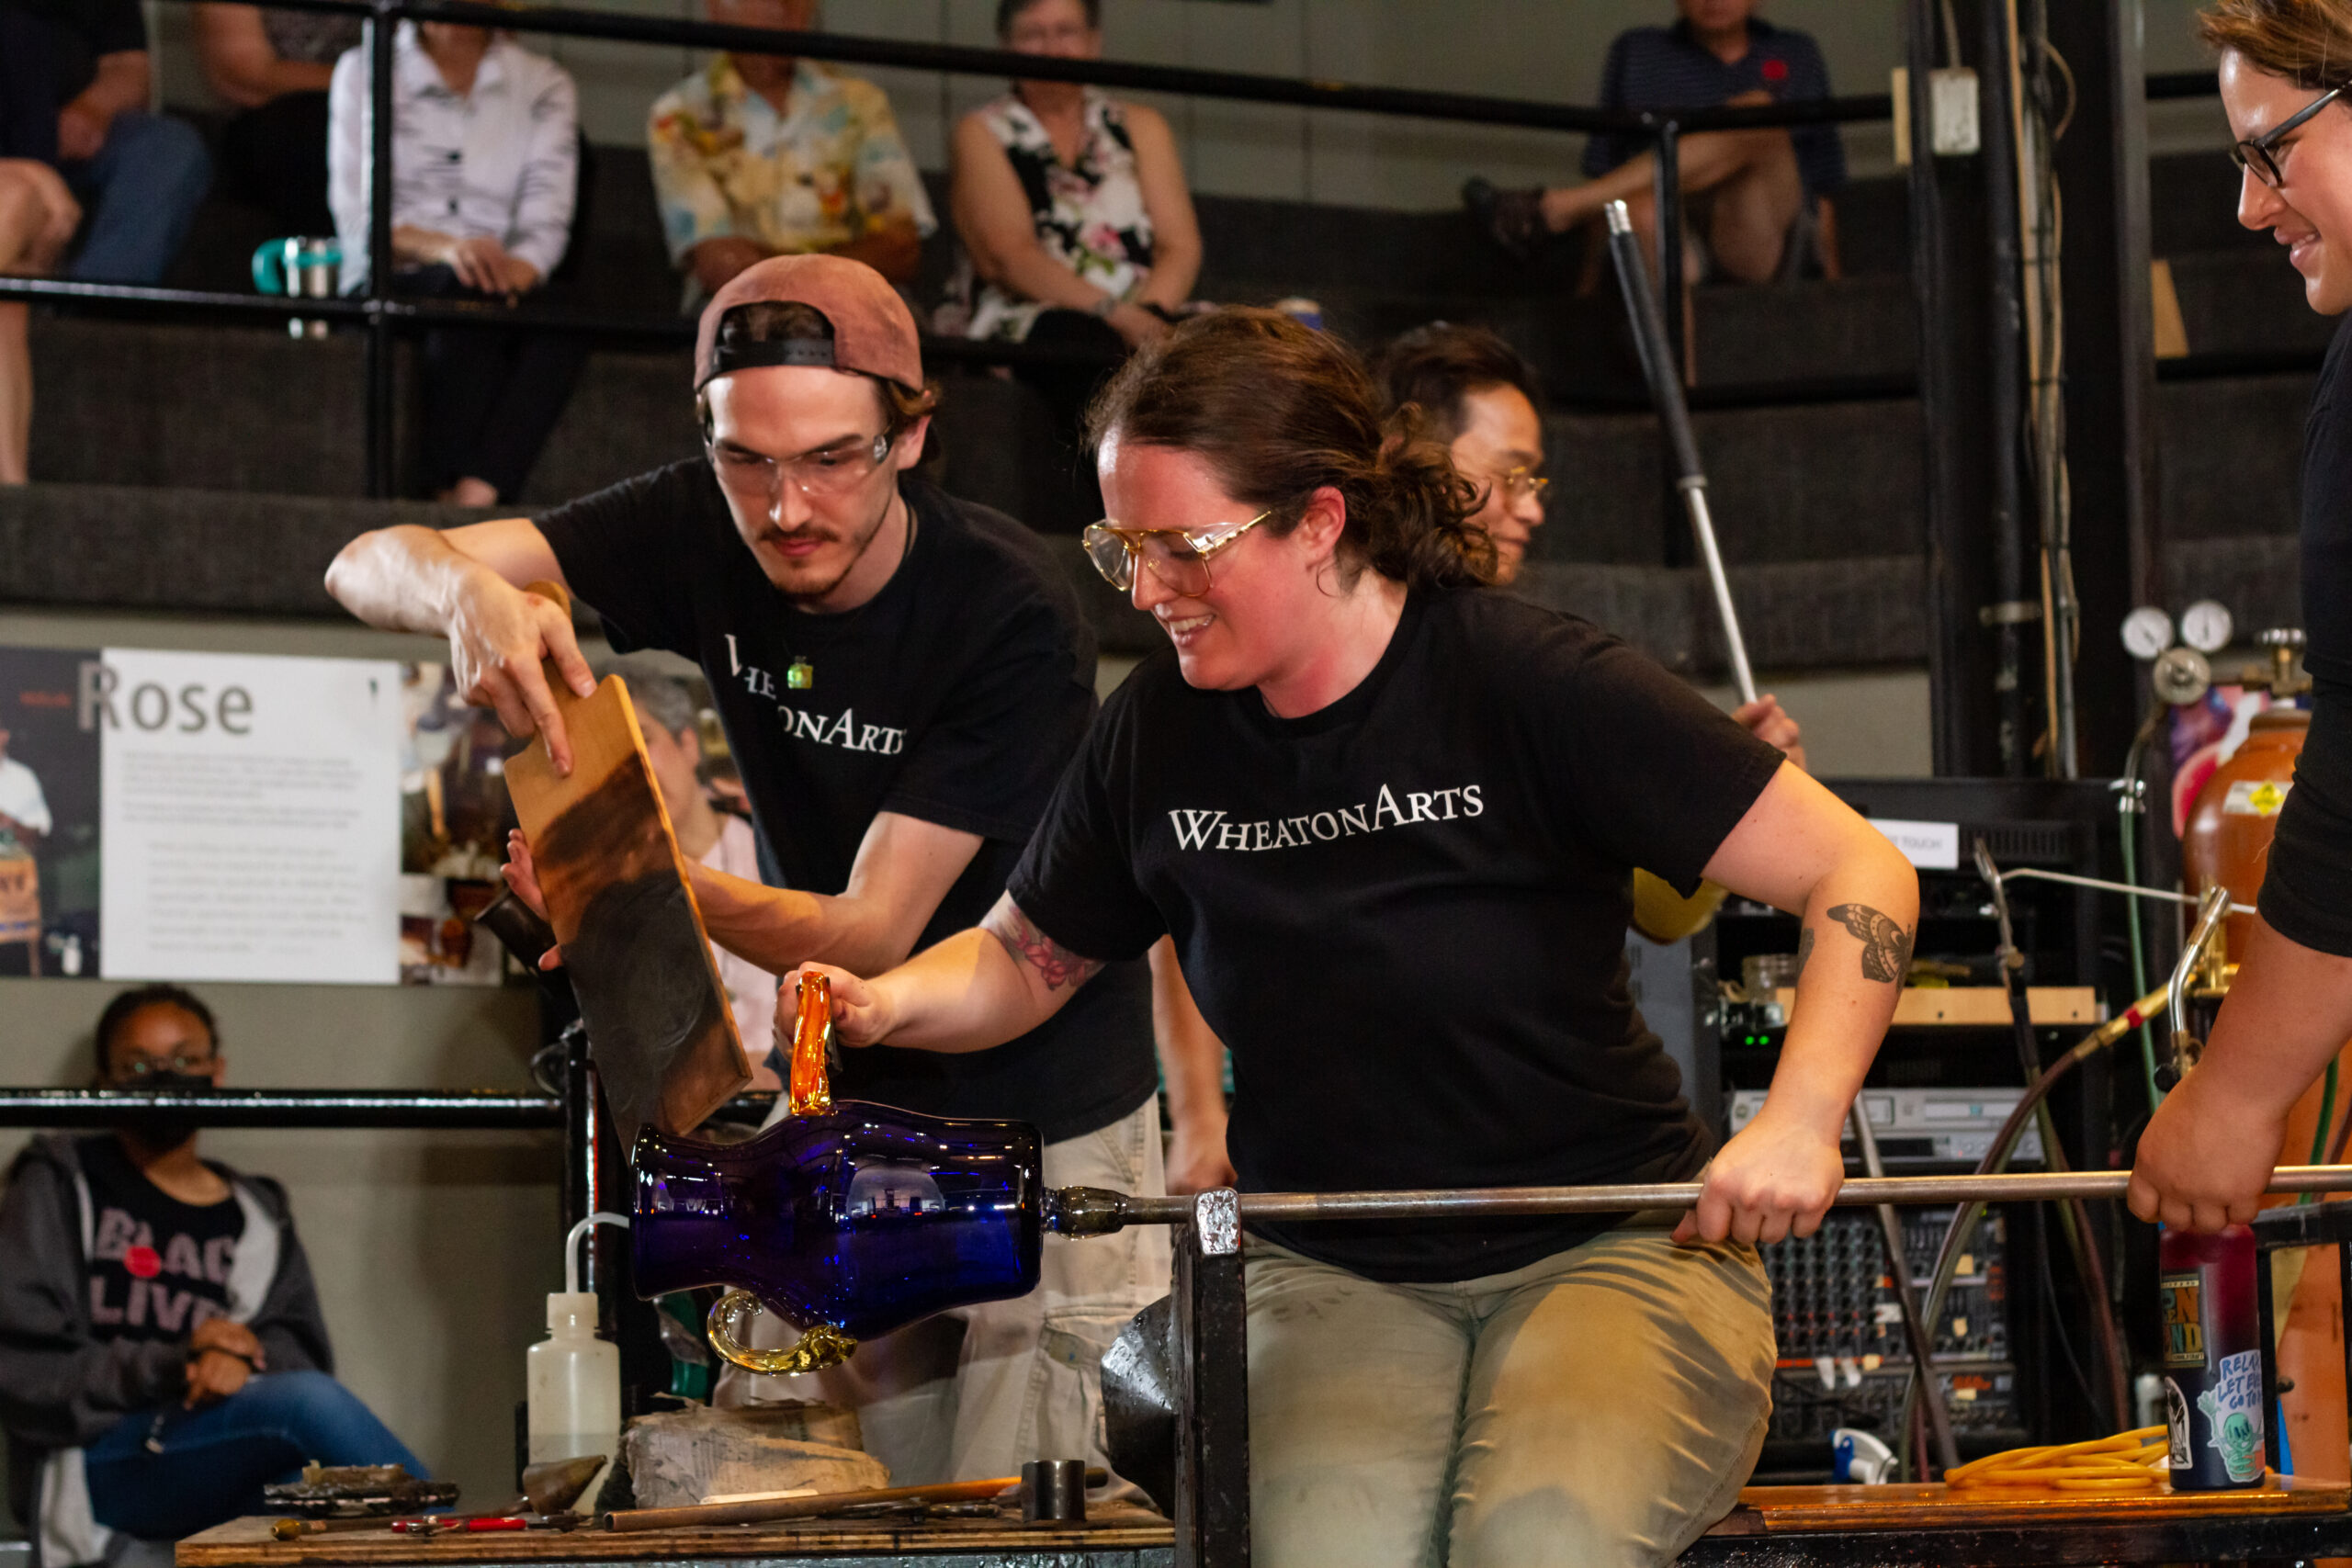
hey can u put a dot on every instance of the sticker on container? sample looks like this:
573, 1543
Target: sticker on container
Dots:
2256, 797
2183, 1320
2233, 1407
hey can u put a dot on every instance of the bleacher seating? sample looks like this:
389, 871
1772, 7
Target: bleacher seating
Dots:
1818, 503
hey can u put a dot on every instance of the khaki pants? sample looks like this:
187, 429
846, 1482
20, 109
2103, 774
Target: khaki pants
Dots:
1602, 1406
981, 1391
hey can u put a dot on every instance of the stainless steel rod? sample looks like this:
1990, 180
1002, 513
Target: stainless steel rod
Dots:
1702, 526
2019, 1187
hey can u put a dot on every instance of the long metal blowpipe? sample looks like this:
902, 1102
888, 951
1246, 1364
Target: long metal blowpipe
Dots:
1089, 1211
1666, 388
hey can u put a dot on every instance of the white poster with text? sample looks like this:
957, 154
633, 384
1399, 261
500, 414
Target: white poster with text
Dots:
250, 814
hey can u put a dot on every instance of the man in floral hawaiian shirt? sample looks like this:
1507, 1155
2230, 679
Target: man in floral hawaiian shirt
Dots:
763, 156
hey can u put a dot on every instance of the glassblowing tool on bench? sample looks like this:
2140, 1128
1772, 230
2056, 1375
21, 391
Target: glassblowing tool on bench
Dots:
1046, 1487
847, 1220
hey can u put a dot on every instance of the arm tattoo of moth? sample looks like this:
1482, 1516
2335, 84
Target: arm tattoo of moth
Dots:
1886, 946
1804, 950
1057, 965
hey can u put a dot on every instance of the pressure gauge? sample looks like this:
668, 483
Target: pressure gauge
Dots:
2147, 631
2206, 626
2180, 676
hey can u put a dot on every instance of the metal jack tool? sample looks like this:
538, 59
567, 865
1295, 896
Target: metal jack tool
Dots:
1666, 386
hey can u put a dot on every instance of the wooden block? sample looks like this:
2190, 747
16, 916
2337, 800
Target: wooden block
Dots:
1980, 1007
658, 1028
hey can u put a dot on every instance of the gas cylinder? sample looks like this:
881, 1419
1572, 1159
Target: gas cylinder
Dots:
2235, 814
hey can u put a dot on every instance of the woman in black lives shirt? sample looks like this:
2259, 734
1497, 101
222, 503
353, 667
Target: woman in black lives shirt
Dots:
2206, 1157
1390, 817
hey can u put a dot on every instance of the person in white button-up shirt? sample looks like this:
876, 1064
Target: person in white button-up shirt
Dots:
485, 168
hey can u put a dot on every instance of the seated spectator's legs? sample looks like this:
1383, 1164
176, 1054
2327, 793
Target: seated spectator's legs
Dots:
37, 218
491, 396
1075, 500
1750, 175
201, 1468
142, 188
275, 157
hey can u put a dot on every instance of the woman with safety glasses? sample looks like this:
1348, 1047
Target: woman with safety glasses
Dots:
1389, 817
2207, 1155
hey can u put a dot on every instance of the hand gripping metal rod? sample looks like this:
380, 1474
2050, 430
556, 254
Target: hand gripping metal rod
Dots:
1090, 1211
1666, 388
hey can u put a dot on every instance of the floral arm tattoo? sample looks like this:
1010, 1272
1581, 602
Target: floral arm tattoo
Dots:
1057, 965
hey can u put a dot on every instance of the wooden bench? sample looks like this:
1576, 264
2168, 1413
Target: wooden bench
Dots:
1774, 1527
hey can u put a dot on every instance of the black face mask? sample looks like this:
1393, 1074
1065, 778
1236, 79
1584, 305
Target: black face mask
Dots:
167, 1131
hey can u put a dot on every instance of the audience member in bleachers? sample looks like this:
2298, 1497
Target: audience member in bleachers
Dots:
1077, 226
162, 1351
38, 217
710, 837
1479, 396
141, 175
273, 66
1071, 205
761, 156
1759, 198
485, 159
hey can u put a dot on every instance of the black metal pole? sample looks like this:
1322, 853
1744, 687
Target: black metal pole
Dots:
2005, 345
1212, 1373
381, 31
444, 1111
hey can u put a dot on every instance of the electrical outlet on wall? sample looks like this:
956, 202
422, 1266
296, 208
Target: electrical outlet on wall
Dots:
1952, 108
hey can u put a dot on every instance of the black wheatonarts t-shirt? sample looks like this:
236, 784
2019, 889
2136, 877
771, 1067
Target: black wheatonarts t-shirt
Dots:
157, 1267
1406, 913
2311, 859
954, 696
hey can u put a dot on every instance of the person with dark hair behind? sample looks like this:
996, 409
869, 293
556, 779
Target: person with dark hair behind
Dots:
1388, 817
162, 1351
1477, 394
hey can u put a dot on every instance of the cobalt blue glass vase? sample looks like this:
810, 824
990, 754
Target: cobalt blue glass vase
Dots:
846, 1220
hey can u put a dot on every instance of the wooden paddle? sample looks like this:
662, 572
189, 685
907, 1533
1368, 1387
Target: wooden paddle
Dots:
659, 1027
766, 1510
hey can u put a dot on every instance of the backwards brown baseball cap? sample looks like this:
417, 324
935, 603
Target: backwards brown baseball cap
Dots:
873, 333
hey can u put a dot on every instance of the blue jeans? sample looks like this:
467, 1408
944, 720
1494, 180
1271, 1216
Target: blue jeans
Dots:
142, 190
215, 1460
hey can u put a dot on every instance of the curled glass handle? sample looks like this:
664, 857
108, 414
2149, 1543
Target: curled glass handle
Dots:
823, 1345
812, 1038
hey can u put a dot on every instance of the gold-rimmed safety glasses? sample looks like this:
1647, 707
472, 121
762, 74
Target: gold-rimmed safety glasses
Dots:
1178, 557
1522, 484
2258, 155
830, 472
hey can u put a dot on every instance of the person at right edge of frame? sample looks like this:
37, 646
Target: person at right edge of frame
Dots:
2286, 73
902, 676
1390, 816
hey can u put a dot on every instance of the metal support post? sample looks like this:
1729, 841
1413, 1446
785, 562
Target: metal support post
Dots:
381, 462
1212, 1374
580, 1182
2114, 555
2005, 338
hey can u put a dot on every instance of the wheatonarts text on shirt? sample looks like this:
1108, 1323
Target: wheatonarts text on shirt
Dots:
1217, 829
843, 729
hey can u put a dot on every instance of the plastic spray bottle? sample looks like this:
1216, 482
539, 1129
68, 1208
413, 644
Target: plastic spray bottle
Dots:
574, 1381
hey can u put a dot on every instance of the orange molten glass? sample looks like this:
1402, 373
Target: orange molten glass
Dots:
812, 1035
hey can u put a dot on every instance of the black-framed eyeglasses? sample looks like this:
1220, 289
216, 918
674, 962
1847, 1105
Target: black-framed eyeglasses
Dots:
2258, 155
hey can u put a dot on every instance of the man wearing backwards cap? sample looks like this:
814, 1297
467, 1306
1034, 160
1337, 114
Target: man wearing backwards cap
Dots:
902, 676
